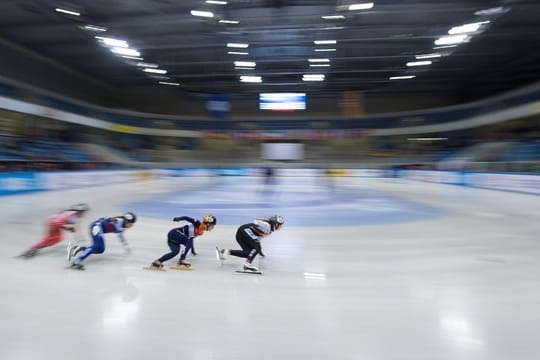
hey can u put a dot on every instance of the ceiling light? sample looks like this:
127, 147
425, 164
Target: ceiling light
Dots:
332, 17
444, 47
237, 53
324, 50
252, 79
237, 45
95, 28
364, 6
319, 65
451, 39
428, 56
148, 65
169, 83
427, 139
324, 42
419, 63
245, 63
491, 11
229, 21
155, 71
113, 42
318, 60
216, 2
313, 77
467, 28
125, 51
69, 12
402, 77
207, 14
132, 57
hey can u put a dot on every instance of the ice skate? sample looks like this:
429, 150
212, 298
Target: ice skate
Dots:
221, 254
76, 264
182, 265
73, 252
249, 269
29, 253
155, 266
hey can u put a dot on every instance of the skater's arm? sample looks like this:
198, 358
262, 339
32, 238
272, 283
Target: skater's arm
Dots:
186, 218
124, 242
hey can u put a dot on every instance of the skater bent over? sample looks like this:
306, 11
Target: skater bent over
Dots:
98, 228
66, 220
183, 235
248, 236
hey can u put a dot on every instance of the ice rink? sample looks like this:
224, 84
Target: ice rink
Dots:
363, 269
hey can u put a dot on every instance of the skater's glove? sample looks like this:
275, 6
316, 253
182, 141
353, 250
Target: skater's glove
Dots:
194, 253
69, 228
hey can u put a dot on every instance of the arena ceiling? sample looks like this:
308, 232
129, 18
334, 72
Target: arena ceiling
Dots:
369, 49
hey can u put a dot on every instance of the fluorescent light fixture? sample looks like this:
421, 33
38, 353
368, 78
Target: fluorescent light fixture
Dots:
132, 57
124, 51
491, 11
427, 56
216, 2
237, 53
243, 68
427, 139
363, 6
319, 65
69, 12
333, 28
444, 47
324, 42
333, 17
148, 65
451, 39
467, 28
237, 45
155, 71
113, 42
207, 14
251, 79
229, 21
319, 60
95, 28
419, 63
318, 50
245, 63
169, 83
404, 77
313, 77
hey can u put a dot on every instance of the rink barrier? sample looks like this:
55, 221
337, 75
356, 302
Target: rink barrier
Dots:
24, 182
520, 183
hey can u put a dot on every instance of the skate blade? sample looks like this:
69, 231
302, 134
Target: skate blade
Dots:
249, 272
184, 268
153, 268
76, 267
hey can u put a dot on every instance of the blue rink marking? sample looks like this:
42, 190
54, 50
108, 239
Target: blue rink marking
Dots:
302, 201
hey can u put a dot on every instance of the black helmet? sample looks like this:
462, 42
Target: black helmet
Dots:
79, 207
130, 217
